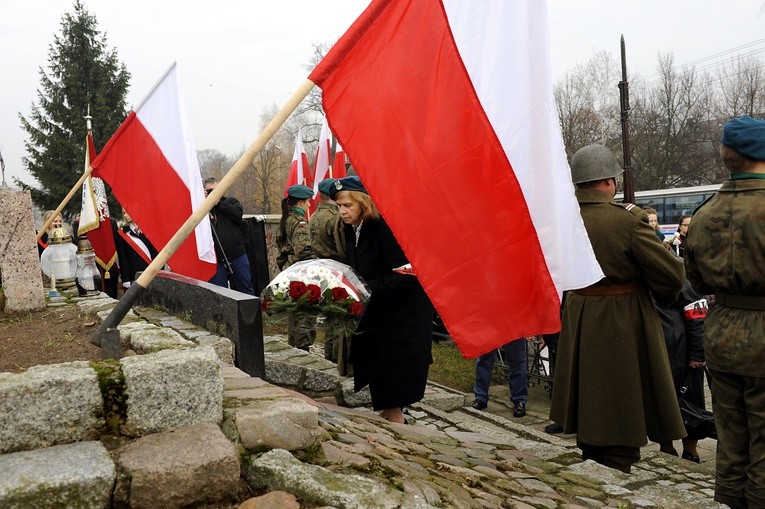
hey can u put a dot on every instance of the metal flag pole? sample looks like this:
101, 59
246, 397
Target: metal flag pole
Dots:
139, 286
624, 100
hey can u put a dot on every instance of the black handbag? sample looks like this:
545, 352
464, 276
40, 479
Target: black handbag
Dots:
699, 423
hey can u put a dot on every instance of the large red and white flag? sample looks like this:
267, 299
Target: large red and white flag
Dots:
151, 164
338, 166
300, 172
95, 221
458, 143
321, 167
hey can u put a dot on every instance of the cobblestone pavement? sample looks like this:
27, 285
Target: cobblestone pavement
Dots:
462, 457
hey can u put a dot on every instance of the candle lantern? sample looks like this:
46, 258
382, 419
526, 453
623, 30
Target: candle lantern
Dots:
87, 278
59, 259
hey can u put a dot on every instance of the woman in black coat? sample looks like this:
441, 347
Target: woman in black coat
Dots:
391, 348
684, 335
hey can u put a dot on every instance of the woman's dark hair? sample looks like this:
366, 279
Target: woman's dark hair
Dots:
287, 204
682, 218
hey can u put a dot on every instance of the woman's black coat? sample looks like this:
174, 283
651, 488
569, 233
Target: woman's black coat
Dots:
391, 350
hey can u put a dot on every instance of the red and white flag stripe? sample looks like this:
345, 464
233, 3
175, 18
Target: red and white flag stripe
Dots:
459, 145
321, 170
151, 165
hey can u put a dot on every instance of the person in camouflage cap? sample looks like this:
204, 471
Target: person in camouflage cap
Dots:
328, 241
725, 256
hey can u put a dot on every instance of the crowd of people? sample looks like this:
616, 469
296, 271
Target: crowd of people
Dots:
639, 341
631, 346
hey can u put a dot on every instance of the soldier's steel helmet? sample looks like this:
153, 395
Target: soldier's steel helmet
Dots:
594, 162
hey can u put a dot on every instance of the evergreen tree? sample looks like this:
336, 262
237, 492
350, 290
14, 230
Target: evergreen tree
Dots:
82, 72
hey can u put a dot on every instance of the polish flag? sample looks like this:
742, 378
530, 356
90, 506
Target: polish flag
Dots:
446, 109
299, 169
95, 221
151, 164
338, 166
321, 168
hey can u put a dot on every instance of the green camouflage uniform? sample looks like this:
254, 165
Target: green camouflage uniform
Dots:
296, 247
328, 241
725, 256
326, 227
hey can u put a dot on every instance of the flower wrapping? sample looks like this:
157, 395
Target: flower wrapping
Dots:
317, 294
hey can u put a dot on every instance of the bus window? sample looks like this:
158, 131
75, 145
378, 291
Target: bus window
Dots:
654, 203
677, 206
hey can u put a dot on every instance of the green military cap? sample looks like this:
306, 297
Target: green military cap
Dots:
300, 192
746, 135
349, 183
325, 186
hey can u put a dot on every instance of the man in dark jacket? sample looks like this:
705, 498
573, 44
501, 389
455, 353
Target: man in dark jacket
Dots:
613, 385
725, 256
227, 224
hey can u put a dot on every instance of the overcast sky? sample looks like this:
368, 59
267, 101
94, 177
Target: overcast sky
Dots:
237, 58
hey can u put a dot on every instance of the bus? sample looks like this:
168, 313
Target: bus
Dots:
671, 204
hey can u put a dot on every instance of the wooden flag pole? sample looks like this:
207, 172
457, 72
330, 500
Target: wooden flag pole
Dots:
140, 285
77, 187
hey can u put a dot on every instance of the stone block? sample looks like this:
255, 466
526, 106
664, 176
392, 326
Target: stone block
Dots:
155, 339
74, 475
444, 401
223, 347
283, 373
321, 380
130, 316
286, 423
221, 311
185, 467
172, 388
91, 305
279, 470
353, 399
19, 261
49, 405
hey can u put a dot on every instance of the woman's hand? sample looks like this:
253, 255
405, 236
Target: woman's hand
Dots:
698, 364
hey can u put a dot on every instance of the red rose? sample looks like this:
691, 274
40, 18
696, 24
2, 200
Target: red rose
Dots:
297, 289
339, 293
313, 292
266, 302
356, 308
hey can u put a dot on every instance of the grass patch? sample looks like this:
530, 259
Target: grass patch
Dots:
451, 369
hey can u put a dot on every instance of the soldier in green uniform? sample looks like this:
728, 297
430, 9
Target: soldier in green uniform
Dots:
328, 241
294, 243
613, 384
725, 256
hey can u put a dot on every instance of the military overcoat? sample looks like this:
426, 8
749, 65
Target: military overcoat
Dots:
613, 385
726, 254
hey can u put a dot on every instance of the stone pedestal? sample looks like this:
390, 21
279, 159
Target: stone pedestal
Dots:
19, 262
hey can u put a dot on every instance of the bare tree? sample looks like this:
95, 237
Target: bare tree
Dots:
669, 127
742, 87
588, 107
213, 163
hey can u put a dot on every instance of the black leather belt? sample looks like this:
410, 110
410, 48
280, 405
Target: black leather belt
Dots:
753, 302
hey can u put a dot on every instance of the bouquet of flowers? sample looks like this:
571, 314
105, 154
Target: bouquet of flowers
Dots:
316, 294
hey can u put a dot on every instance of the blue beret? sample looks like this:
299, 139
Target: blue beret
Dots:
746, 135
300, 192
349, 183
325, 186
